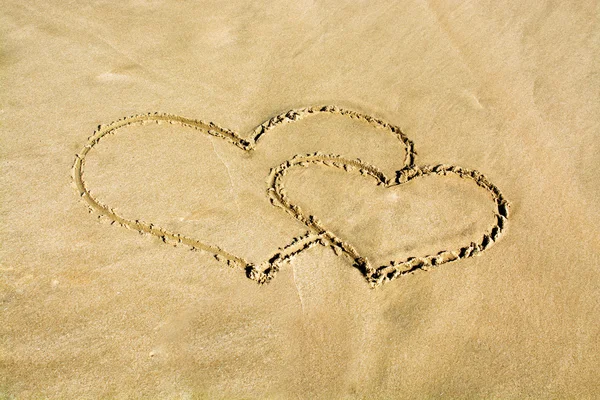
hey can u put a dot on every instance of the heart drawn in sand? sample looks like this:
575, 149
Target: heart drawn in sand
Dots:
395, 268
317, 234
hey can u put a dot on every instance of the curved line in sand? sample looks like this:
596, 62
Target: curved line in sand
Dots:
266, 270
394, 269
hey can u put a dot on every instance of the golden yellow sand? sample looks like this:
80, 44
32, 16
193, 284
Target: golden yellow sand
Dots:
443, 242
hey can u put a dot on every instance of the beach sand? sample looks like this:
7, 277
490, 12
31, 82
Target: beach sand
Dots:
423, 224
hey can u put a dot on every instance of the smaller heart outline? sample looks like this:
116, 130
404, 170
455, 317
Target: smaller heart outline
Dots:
265, 271
394, 269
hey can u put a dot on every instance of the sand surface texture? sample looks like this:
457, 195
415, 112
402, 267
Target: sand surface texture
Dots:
299, 200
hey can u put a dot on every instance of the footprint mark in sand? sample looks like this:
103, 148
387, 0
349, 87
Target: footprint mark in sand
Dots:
317, 234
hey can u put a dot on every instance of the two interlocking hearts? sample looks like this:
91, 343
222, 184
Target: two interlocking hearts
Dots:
317, 234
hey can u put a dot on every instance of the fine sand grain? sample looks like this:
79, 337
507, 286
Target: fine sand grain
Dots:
299, 199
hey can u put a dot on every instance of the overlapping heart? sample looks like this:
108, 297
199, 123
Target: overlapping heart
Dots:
394, 268
317, 233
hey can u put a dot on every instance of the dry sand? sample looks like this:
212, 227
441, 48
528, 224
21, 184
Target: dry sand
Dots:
443, 242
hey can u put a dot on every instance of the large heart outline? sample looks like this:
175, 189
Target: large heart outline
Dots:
394, 269
266, 270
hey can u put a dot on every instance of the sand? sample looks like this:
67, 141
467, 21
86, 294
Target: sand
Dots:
299, 200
